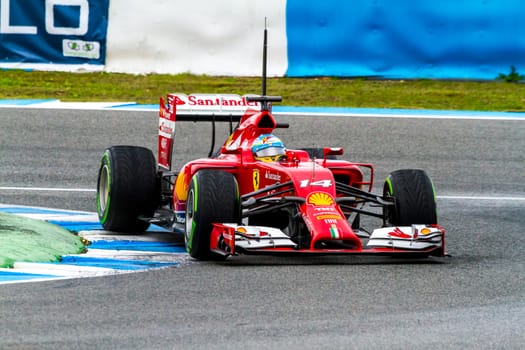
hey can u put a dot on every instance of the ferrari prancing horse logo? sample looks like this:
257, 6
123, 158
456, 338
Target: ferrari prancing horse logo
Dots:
255, 179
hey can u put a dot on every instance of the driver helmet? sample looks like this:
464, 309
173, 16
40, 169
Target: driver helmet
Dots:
268, 148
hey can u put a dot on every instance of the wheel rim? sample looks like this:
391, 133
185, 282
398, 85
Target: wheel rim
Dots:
189, 218
103, 189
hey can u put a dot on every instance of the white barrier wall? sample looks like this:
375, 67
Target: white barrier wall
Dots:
471, 39
199, 37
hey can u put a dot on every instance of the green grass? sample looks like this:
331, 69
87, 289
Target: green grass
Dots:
335, 92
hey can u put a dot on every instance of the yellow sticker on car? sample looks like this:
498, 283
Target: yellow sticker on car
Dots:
256, 179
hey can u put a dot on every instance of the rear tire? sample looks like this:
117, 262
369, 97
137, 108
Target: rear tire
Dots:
213, 197
127, 188
414, 195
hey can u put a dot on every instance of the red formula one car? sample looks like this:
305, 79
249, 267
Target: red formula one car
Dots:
254, 196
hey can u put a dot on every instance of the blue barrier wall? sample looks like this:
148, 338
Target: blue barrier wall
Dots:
462, 39
53, 31
471, 39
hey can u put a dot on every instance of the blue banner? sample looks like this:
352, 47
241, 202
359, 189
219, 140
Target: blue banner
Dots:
53, 31
468, 39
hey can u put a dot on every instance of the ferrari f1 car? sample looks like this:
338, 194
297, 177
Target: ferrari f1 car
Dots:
254, 196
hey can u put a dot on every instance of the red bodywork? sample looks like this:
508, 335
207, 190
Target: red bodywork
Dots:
311, 182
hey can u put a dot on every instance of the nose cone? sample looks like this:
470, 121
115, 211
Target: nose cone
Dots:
327, 224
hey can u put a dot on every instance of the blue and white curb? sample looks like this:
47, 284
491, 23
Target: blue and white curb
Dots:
108, 253
279, 110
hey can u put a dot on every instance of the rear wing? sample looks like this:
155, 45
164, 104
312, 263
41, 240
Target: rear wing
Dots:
210, 107
199, 107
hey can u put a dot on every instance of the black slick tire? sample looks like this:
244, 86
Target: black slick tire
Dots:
414, 196
213, 197
127, 188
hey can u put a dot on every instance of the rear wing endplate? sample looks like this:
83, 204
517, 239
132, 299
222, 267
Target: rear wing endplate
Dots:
198, 107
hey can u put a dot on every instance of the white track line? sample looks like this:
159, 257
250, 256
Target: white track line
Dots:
447, 197
483, 198
280, 111
517, 117
46, 189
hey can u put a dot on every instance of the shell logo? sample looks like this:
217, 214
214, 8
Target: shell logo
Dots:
320, 198
425, 231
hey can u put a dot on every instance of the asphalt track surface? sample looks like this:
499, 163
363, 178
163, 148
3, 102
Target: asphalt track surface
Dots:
474, 299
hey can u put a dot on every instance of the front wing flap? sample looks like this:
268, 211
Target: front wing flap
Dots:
416, 240
228, 239
415, 237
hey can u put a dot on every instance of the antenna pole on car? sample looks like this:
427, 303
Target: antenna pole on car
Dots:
265, 50
263, 99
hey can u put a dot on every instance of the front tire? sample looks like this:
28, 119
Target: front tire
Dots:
213, 197
127, 188
414, 196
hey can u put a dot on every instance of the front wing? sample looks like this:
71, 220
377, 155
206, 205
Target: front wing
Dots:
416, 240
